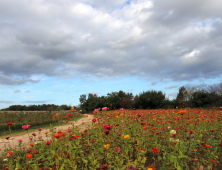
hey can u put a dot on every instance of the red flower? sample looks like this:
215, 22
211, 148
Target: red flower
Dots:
107, 127
35, 151
29, 156
94, 120
29, 151
213, 161
155, 150
67, 156
10, 123
7, 138
143, 123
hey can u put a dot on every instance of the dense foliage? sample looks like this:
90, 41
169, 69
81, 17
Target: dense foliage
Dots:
186, 97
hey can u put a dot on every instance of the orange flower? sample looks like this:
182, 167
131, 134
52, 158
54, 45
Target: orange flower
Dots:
181, 112
31, 144
56, 135
29, 156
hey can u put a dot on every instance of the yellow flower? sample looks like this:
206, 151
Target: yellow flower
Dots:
106, 146
126, 136
149, 168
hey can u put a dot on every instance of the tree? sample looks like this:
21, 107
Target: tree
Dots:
181, 97
151, 99
126, 103
115, 98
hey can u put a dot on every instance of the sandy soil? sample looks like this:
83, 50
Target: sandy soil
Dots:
82, 124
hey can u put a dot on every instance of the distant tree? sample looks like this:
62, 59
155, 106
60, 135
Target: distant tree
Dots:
151, 99
182, 97
126, 103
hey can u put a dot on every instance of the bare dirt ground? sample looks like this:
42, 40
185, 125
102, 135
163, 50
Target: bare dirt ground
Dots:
82, 124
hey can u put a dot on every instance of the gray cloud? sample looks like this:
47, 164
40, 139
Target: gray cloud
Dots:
5, 101
174, 94
10, 80
171, 87
38, 101
173, 40
17, 91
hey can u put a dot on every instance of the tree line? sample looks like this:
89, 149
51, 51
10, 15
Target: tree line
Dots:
186, 97
43, 107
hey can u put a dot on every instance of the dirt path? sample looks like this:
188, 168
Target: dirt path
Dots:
83, 124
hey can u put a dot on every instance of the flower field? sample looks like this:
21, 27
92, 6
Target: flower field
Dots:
163, 139
32, 118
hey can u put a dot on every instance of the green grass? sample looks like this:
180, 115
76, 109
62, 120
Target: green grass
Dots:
21, 131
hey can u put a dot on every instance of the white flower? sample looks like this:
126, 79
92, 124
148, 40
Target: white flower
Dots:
5, 160
173, 132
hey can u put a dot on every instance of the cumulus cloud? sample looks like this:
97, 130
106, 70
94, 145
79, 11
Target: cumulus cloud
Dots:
171, 87
94, 92
174, 40
174, 94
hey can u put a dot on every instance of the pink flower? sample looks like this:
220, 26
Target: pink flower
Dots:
25, 127
119, 134
145, 127
48, 143
20, 140
139, 114
40, 129
121, 109
96, 110
107, 127
104, 108
116, 149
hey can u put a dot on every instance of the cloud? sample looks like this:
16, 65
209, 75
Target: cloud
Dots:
17, 91
5, 101
174, 94
132, 89
94, 92
171, 87
37, 101
154, 83
153, 40
10, 80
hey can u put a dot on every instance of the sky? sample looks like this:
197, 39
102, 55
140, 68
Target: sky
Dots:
53, 51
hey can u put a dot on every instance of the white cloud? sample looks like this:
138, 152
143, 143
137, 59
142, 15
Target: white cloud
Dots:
94, 92
107, 39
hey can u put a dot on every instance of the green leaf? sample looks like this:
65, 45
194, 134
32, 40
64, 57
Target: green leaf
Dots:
61, 168
84, 160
